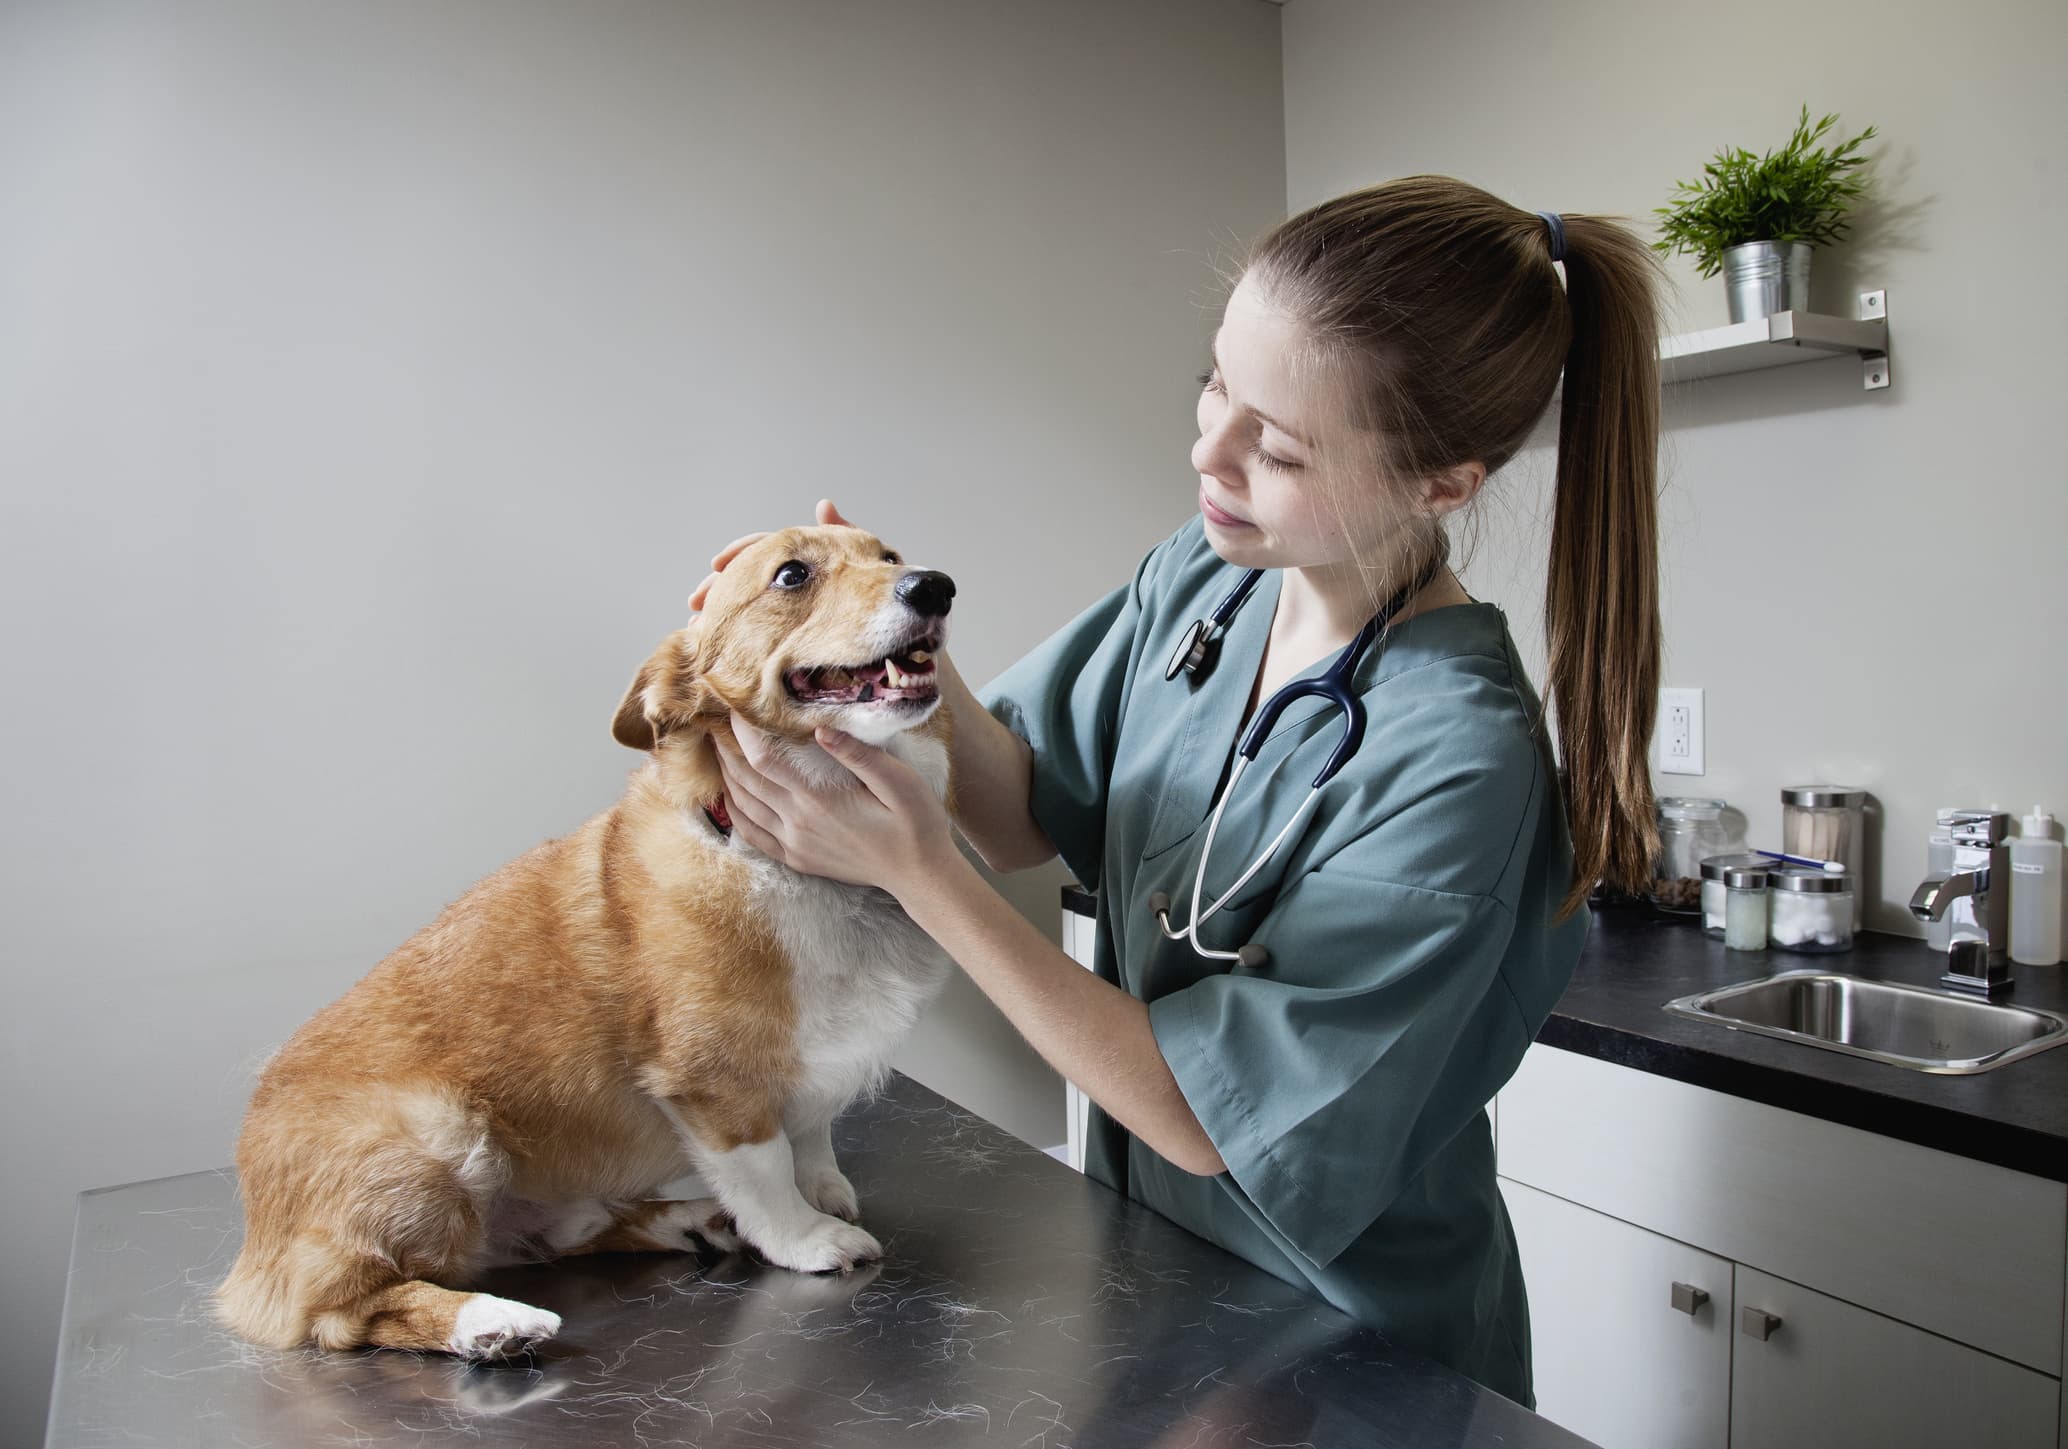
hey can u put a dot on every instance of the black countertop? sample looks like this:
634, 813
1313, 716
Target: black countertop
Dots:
1637, 960
1018, 1304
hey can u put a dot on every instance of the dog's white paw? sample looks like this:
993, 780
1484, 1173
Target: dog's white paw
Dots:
489, 1327
681, 1225
829, 1191
827, 1245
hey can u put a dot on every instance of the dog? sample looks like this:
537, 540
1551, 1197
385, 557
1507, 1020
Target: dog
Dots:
644, 997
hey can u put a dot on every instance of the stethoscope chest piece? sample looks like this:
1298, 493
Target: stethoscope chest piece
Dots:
1194, 654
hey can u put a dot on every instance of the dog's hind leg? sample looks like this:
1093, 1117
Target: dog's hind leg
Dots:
428, 1318
662, 1227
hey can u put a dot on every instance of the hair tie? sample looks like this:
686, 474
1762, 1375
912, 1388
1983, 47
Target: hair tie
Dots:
1557, 226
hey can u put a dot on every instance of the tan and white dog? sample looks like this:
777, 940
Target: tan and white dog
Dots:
642, 998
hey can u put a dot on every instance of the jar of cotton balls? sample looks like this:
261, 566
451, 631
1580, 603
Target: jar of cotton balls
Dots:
1809, 909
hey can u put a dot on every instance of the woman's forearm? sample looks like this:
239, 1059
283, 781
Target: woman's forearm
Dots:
993, 770
1091, 1031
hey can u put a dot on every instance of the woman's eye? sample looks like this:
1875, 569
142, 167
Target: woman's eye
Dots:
792, 575
1271, 460
1209, 381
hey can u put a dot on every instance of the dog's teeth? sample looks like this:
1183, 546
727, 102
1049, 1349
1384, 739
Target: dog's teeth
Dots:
896, 676
919, 656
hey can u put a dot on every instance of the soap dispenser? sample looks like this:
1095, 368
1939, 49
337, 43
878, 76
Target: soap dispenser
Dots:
2036, 892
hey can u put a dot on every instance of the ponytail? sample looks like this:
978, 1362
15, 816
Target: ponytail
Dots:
1445, 303
1601, 597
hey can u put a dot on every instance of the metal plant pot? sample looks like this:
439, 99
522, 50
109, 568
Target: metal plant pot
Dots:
1763, 278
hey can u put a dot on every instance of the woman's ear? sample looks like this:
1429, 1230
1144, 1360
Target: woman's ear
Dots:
1454, 487
666, 694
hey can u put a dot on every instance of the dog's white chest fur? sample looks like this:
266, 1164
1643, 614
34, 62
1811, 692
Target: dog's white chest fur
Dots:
863, 971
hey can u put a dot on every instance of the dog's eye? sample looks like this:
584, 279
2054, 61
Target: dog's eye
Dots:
792, 575
892, 558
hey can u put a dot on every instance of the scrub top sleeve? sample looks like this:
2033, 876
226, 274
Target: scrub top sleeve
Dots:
1329, 1078
1065, 701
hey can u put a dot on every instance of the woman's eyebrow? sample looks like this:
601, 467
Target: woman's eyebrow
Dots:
1214, 356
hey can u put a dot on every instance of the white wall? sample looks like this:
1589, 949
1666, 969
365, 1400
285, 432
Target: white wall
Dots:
376, 379
1868, 585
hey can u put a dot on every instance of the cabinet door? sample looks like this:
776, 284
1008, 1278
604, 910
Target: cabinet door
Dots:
1616, 1361
1828, 1375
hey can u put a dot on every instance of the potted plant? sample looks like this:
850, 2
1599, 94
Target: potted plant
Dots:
1755, 218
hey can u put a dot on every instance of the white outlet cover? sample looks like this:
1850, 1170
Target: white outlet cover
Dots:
1680, 762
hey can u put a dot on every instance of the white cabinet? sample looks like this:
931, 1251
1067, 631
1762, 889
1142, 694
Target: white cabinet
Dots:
1616, 1360
1828, 1374
1933, 1308
1080, 940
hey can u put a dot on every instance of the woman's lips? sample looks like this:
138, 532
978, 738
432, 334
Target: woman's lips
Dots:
1220, 516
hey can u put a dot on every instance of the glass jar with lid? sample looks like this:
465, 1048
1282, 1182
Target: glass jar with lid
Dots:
1809, 909
1826, 822
1745, 907
1714, 899
1691, 830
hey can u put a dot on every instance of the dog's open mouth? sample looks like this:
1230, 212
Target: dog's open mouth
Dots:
904, 678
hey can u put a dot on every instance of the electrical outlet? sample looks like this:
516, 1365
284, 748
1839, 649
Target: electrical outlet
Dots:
1679, 732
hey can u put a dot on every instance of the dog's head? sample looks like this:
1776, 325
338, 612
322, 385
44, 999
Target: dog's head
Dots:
807, 627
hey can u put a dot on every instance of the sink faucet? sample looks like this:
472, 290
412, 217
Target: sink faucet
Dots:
1976, 894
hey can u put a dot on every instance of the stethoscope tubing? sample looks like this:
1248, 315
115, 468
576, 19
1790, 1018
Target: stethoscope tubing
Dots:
1196, 650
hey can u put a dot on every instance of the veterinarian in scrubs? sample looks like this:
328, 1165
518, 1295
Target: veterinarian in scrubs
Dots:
1322, 1114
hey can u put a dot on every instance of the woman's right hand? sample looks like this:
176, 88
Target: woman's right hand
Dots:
828, 516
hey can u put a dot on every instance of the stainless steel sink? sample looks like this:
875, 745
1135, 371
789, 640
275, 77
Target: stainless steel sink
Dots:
1909, 1026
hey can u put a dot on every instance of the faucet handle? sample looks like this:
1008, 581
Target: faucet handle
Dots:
1978, 828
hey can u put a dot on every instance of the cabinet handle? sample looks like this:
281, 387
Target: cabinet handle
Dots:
1758, 1323
1688, 1298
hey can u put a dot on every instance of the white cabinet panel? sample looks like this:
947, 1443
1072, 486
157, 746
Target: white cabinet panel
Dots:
1079, 941
1831, 1375
1959, 1247
1616, 1362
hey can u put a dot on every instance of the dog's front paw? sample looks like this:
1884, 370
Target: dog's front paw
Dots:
829, 1191
827, 1245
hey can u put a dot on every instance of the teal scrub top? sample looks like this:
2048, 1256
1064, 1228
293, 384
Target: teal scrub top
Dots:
1413, 950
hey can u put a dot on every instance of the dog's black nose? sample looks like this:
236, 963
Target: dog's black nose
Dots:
927, 592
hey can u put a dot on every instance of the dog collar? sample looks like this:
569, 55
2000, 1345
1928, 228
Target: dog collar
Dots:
716, 814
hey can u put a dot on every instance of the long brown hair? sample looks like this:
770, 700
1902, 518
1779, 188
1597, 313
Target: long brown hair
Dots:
1442, 304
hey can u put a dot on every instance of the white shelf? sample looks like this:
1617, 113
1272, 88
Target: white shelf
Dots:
1781, 340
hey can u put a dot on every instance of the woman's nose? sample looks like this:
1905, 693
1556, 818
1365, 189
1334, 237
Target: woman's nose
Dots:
1216, 454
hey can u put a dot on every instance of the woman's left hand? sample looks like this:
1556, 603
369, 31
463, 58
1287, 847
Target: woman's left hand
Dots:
888, 831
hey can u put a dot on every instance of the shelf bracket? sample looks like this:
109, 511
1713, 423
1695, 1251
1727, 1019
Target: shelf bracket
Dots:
1874, 368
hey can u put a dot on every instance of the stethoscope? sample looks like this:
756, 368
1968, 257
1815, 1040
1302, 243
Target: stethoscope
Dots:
1198, 649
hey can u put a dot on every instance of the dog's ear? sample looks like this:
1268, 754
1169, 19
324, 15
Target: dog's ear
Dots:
666, 694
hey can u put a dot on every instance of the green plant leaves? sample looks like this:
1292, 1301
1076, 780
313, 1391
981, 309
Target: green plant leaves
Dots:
1798, 193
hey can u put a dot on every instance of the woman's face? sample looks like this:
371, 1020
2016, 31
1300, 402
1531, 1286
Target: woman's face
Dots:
1285, 479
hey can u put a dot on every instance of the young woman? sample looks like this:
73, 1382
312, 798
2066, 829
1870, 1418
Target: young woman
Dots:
1320, 1110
